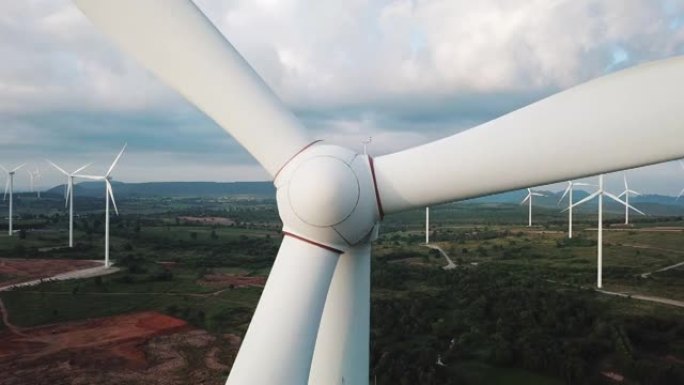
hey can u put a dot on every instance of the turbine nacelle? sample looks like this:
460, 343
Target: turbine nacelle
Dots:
326, 195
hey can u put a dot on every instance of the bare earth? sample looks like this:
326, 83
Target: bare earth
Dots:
138, 348
20, 270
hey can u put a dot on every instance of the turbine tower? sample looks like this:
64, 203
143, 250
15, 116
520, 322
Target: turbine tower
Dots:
528, 199
427, 225
626, 194
569, 190
9, 186
600, 193
69, 196
331, 199
109, 194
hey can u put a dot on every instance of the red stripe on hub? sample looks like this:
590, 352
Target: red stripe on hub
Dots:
375, 187
322, 246
294, 156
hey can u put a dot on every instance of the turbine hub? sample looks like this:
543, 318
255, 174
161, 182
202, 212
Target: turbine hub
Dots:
323, 191
326, 195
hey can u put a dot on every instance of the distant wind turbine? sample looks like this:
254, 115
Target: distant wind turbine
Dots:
9, 186
109, 194
600, 193
568, 190
69, 196
34, 177
626, 194
528, 199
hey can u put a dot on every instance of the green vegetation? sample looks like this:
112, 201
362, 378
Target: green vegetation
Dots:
519, 309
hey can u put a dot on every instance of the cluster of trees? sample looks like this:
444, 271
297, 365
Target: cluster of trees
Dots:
505, 317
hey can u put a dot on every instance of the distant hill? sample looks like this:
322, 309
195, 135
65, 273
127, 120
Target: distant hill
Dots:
172, 189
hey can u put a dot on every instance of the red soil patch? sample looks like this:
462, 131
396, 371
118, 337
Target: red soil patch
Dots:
223, 280
19, 270
207, 220
142, 348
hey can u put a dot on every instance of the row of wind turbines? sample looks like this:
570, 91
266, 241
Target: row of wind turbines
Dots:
69, 195
568, 192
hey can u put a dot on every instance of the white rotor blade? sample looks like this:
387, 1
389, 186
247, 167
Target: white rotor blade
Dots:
678, 196
7, 183
623, 194
116, 160
18, 167
81, 168
638, 111
526, 199
584, 184
342, 344
68, 193
3, 168
538, 194
110, 193
634, 192
90, 177
174, 40
567, 190
57, 167
620, 201
624, 177
279, 344
681, 163
587, 199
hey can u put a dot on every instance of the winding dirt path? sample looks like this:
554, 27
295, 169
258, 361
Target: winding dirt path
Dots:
450, 264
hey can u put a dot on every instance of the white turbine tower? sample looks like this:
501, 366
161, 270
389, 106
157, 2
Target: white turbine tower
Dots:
34, 178
600, 193
9, 186
109, 194
427, 225
626, 194
568, 191
528, 200
331, 199
69, 196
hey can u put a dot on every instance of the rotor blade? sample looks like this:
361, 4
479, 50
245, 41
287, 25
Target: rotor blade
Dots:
81, 168
111, 168
90, 177
584, 184
538, 194
681, 163
587, 199
637, 110
624, 177
526, 199
678, 196
7, 184
623, 194
634, 192
3, 168
567, 190
281, 352
342, 344
57, 167
110, 192
18, 167
613, 197
161, 34
69, 191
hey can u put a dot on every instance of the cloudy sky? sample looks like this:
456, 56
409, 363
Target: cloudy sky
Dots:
403, 72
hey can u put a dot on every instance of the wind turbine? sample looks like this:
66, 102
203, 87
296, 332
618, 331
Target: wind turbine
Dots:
600, 193
331, 199
69, 196
34, 177
626, 195
528, 199
9, 186
569, 190
109, 194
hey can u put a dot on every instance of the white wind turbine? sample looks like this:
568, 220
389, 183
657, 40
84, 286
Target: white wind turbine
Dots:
626, 194
69, 196
528, 199
569, 190
600, 193
9, 186
331, 199
109, 194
